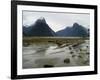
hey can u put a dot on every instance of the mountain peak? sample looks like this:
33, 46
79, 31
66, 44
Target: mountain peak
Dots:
75, 31
75, 25
41, 20
40, 28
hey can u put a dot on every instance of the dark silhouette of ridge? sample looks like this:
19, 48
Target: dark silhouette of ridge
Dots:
39, 28
75, 31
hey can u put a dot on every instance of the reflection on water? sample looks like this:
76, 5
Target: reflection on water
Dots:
39, 55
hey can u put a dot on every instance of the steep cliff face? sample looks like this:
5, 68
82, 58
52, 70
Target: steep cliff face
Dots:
75, 31
39, 28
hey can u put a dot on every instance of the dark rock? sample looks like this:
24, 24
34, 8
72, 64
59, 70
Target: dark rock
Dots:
71, 52
86, 62
67, 60
75, 45
80, 56
80, 49
39, 28
76, 30
73, 55
46, 66
70, 48
87, 46
87, 53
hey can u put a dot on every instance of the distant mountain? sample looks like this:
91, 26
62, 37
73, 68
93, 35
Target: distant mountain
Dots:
39, 28
75, 31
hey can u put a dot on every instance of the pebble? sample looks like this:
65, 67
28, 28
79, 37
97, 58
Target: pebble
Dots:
80, 56
46, 66
67, 60
73, 55
71, 52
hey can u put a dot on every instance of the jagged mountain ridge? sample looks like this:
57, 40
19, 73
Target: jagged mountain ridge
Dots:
75, 31
39, 28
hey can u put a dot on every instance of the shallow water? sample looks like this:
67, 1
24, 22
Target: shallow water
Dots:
37, 55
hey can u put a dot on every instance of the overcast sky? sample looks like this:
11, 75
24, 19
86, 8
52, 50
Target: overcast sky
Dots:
56, 21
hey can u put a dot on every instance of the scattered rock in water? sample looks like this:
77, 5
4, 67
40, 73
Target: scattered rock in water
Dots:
86, 62
67, 60
75, 45
47, 66
73, 56
70, 48
71, 52
87, 53
88, 56
58, 43
87, 46
80, 49
80, 56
